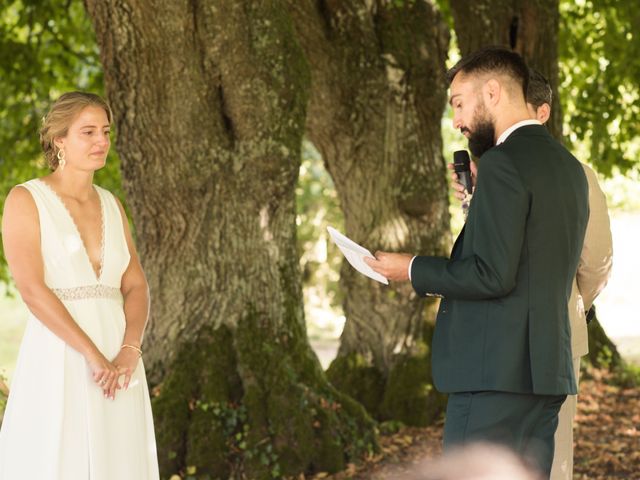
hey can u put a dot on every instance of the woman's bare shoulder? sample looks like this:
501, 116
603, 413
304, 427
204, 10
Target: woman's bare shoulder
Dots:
20, 202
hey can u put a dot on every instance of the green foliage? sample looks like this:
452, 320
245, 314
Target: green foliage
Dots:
627, 375
46, 49
390, 427
599, 52
444, 8
230, 419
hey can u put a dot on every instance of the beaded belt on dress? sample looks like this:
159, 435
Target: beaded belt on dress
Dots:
88, 291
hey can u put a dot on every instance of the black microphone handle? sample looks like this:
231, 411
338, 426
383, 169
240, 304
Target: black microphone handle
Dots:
462, 166
464, 178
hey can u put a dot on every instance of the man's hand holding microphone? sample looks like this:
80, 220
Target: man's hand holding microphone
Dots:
463, 174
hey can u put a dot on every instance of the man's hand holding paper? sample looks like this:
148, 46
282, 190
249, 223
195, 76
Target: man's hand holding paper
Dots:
356, 255
394, 266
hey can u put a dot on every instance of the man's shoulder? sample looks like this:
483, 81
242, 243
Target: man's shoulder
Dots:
536, 143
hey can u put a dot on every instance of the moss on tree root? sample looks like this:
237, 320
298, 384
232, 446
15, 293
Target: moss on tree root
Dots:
353, 375
235, 404
190, 429
291, 406
405, 393
410, 396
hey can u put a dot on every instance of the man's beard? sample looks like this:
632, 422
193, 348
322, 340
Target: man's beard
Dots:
482, 137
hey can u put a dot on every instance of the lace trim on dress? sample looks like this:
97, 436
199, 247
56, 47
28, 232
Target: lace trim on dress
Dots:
88, 291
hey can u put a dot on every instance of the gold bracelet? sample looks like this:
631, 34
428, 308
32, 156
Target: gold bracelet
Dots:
126, 345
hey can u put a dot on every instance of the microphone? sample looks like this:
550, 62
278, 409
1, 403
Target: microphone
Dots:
461, 162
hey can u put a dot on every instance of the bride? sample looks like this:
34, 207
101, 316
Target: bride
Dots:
79, 406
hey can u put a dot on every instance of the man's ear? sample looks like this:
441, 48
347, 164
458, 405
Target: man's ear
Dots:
492, 90
543, 113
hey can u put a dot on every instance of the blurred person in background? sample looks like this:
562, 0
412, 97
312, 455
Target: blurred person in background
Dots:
475, 461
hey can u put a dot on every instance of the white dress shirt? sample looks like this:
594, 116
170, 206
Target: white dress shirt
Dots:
514, 127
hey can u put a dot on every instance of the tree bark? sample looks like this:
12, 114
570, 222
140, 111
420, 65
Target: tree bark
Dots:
528, 27
377, 98
210, 107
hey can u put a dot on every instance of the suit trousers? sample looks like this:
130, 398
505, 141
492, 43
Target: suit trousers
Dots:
525, 423
562, 468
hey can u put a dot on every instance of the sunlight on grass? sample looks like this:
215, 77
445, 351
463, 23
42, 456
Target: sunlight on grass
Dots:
13, 317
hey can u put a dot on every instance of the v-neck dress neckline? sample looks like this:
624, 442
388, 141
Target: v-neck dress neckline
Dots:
97, 275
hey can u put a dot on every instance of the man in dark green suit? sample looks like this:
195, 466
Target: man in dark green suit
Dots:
502, 344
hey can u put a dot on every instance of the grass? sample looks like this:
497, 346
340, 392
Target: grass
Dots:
13, 315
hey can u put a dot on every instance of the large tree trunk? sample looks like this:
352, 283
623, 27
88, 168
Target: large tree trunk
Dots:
377, 99
210, 107
528, 27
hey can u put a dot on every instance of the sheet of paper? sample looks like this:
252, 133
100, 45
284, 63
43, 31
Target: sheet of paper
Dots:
355, 254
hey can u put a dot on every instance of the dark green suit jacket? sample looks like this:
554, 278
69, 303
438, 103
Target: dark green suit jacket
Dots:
503, 322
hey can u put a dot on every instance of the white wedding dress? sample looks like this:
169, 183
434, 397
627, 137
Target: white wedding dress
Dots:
58, 425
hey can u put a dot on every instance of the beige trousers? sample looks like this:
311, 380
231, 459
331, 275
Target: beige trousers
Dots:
562, 468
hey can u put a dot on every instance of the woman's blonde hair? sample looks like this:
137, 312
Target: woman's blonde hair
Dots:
62, 113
